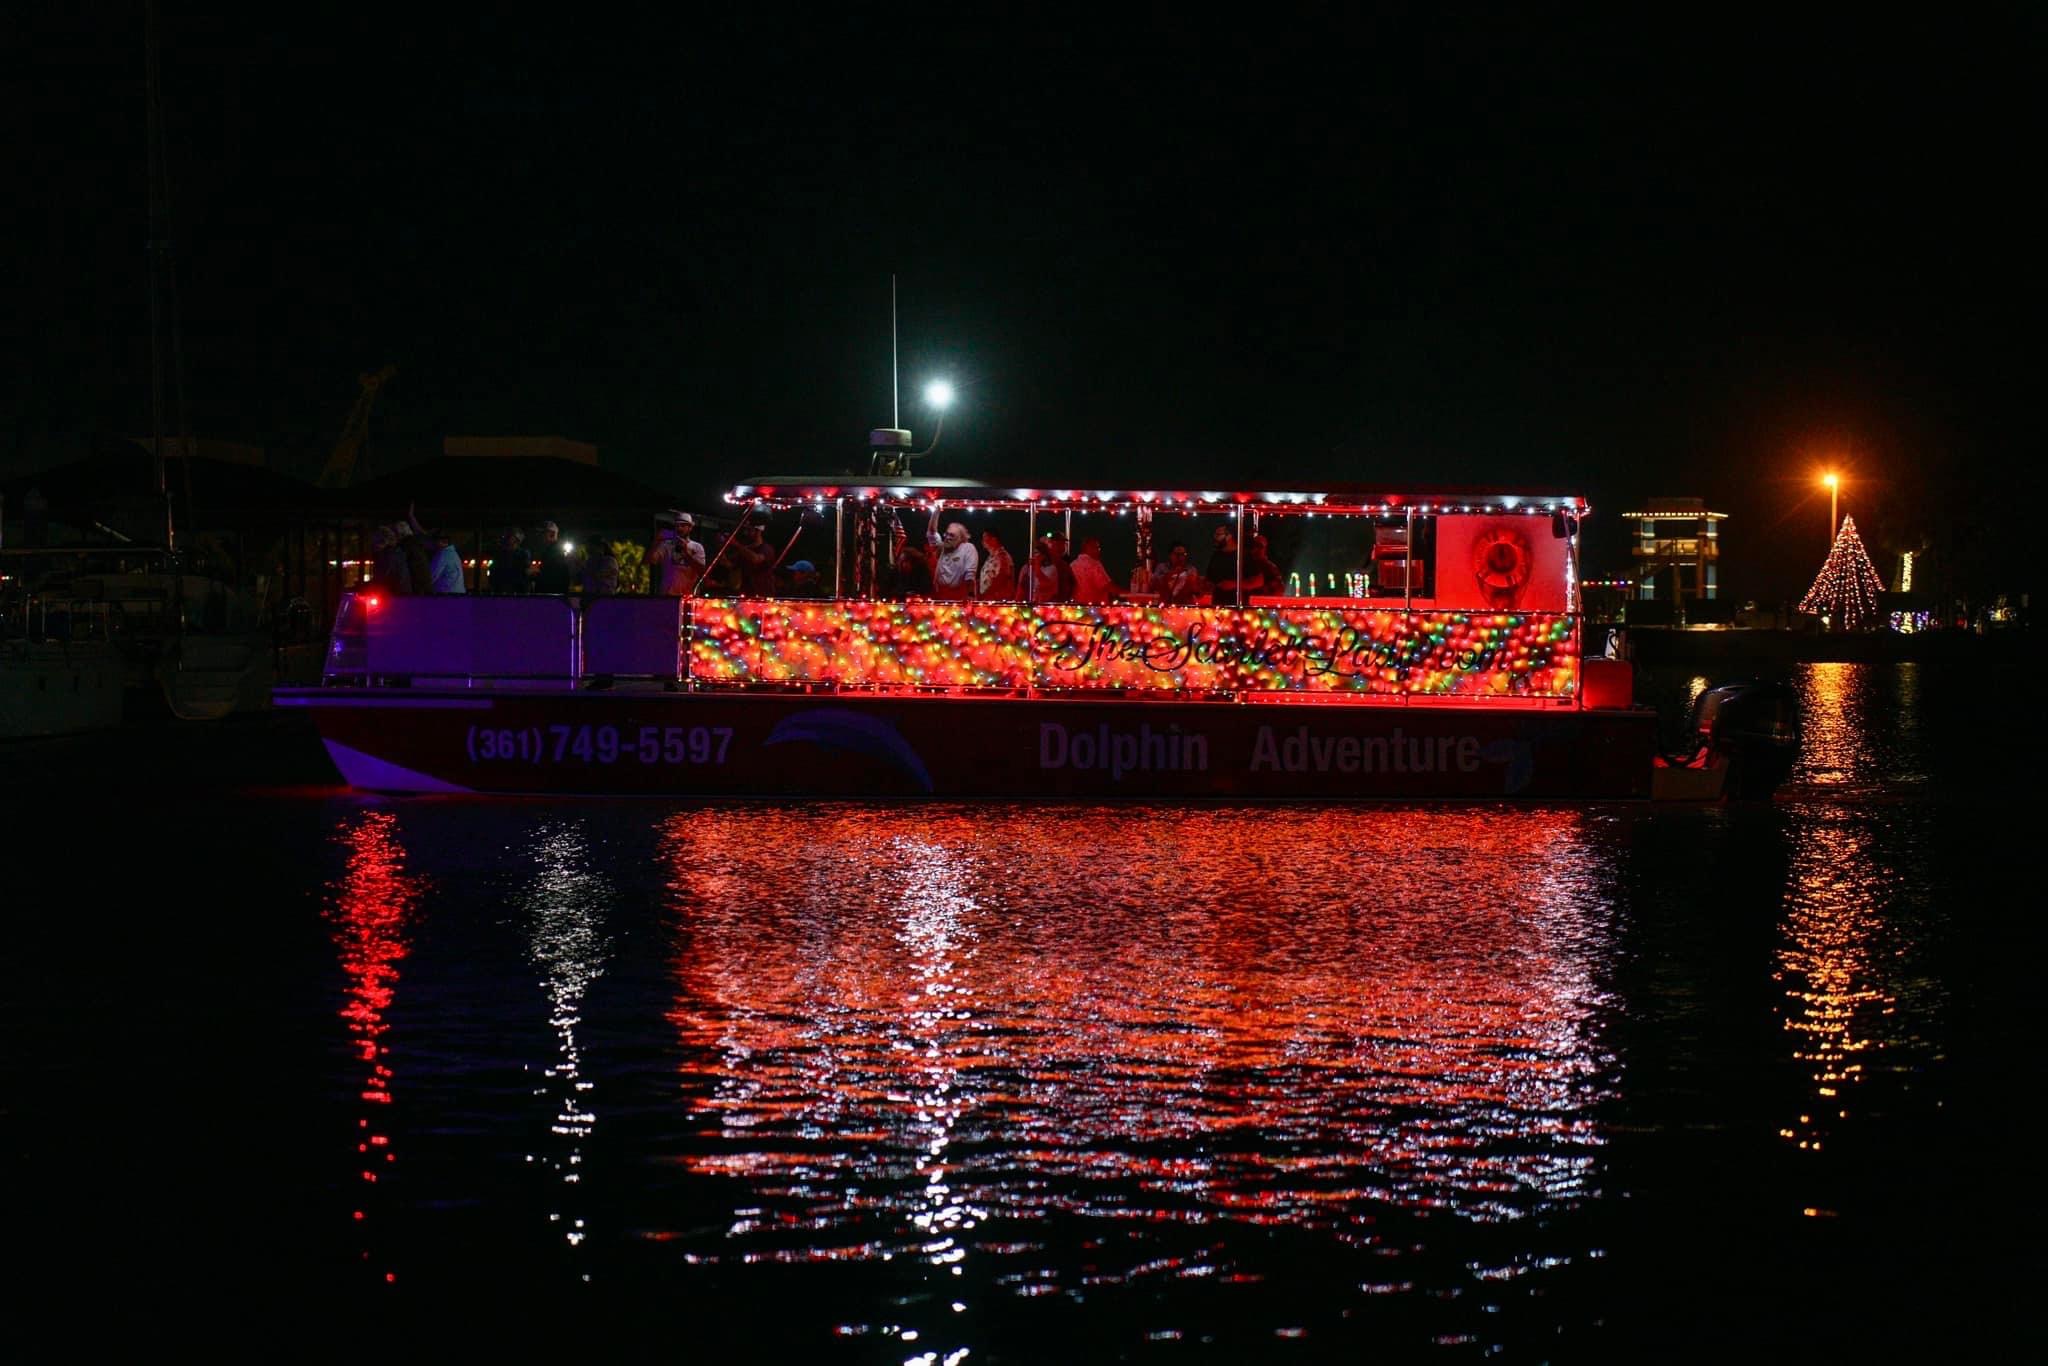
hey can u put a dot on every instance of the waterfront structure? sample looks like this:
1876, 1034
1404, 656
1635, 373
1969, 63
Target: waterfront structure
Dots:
1676, 551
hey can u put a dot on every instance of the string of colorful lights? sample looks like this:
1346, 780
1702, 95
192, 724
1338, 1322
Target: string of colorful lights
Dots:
1016, 646
1846, 590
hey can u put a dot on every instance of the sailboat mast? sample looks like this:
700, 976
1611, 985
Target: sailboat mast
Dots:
158, 247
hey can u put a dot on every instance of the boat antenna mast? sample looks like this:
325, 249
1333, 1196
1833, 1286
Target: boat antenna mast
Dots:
889, 447
157, 246
163, 290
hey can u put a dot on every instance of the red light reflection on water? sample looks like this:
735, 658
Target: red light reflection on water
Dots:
370, 905
904, 1025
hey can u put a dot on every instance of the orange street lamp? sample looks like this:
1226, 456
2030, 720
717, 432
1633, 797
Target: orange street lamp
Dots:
1834, 484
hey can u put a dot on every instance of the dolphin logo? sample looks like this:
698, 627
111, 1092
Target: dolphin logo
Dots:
1519, 758
855, 733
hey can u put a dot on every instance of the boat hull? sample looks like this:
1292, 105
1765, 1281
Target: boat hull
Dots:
58, 687
734, 744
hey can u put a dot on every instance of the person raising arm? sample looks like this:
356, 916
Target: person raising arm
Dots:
954, 561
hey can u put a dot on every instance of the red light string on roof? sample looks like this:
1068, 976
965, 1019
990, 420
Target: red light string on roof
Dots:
1211, 502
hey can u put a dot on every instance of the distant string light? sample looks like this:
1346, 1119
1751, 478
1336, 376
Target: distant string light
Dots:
1847, 588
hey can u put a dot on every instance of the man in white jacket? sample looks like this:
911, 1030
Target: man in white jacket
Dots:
954, 561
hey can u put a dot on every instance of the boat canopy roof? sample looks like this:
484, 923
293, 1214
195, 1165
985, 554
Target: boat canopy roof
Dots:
1329, 500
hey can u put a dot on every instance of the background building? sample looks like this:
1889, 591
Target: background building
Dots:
1676, 557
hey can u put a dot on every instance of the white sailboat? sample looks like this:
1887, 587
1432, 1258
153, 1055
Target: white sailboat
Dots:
83, 628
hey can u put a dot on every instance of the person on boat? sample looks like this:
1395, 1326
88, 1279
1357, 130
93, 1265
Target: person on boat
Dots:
552, 570
600, 569
998, 570
1222, 575
419, 556
721, 577
1261, 575
512, 565
803, 581
1092, 582
1176, 581
674, 561
754, 560
955, 561
388, 571
447, 568
913, 570
1049, 578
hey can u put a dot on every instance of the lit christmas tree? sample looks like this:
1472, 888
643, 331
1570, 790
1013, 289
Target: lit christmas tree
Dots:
1846, 591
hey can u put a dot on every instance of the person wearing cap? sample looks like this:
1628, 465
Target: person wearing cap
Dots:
675, 562
552, 570
692, 550
511, 566
1091, 580
955, 561
754, 558
998, 570
803, 581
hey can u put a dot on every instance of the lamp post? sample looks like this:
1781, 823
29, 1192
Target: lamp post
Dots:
1834, 483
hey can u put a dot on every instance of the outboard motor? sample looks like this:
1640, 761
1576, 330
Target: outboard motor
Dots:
1753, 728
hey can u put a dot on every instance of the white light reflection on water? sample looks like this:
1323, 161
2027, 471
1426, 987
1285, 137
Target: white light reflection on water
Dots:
936, 912
565, 912
1182, 1026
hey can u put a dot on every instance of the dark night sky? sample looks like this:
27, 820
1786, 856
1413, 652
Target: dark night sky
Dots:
1456, 248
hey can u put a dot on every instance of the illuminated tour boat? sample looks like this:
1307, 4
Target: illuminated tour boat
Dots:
1452, 665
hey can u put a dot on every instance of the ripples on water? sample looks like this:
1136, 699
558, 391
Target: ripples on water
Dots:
1088, 1014
1039, 1053
951, 1084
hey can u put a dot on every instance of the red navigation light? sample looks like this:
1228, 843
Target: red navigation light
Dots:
370, 601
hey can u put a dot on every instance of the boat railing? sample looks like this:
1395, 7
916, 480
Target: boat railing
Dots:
459, 640
1331, 653
39, 619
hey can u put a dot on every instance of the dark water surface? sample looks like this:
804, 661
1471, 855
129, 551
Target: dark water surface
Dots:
957, 1084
